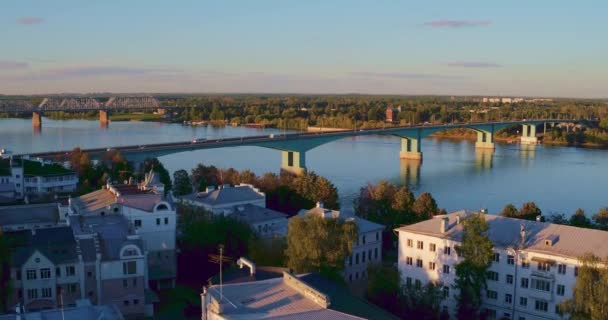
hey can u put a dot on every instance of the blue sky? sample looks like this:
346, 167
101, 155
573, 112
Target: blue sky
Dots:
531, 48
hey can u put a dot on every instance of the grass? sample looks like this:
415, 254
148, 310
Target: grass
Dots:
135, 117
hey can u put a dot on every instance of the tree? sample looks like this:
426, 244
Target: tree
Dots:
510, 211
590, 295
477, 252
182, 184
157, 166
529, 211
316, 244
205, 176
601, 218
579, 219
5, 272
425, 206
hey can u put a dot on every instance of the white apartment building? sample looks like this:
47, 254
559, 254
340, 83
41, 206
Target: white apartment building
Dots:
367, 249
26, 177
535, 263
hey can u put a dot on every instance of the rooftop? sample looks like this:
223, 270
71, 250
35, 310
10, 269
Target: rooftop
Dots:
41, 214
505, 232
57, 244
83, 312
363, 225
128, 195
255, 214
227, 195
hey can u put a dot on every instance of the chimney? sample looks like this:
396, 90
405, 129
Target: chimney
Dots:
246, 262
319, 204
458, 219
209, 189
522, 233
483, 210
539, 218
444, 224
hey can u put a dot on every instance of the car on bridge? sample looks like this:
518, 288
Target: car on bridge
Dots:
199, 140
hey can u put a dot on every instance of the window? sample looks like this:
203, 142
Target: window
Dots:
135, 301
576, 271
350, 260
70, 271
491, 313
129, 267
447, 250
137, 223
410, 243
496, 257
446, 269
357, 258
134, 283
508, 298
408, 282
72, 288
350, 278
363, 257
57, 272
542, 285
523, 301
158, 221
432, 247
491, 294
446, 292
420, 245
45, 273
544, 266
125, 283
31, 274
409, 260
561, 268
510, 259
509, 279
492, 275
525, 264
524, 282
541, 305
89, 274
376, 253
377, 236
417, 284
166, 220
561, 289
364, 240
432, 265
46, 292
419, 263
32, 294
126, 303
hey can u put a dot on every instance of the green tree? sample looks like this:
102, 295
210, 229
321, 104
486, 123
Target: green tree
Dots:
316, 244
529, 211
476, 251
601, 217
205, 176
579, 219
510, 211
5, 272
590, 294
425, 207
182, 184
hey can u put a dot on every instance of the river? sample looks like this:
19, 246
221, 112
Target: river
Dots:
558, 179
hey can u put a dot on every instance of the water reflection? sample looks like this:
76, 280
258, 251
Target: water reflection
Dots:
527, 151
409, 172
483, 159
37, 130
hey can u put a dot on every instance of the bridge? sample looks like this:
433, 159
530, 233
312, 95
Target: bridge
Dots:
293, 147
79, 104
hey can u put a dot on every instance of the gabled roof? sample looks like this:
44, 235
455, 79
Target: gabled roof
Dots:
363, 225
47, 213
227, 195
57, 244
504, 232
250, 214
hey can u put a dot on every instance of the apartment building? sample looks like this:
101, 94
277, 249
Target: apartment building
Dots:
534, 265
367, 249
20, 177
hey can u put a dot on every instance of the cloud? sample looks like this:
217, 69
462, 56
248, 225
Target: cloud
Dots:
473, 64
12, 65
28, 21
446, 23
405, 75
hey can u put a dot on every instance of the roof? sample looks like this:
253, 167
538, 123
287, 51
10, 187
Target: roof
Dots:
57, 244
94, 201
113, 232
104, 312
35, 168
129, 196
29, 214
363, 225
505, 232
251, 214
227, 195
5, 167
275, 298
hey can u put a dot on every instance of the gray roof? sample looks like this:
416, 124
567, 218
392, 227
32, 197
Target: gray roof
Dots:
363, 225
57, 244
251, 214
47, 213
505, 232
104, 312
226, 195
113, 231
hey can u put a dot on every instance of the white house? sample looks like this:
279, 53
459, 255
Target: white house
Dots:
20, 177
226, 198
534, 269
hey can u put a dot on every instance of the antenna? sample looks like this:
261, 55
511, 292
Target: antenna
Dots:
219, 259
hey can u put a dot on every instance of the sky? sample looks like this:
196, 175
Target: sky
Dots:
552, 48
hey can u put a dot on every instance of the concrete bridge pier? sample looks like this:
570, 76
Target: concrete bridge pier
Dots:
104, 118
485, 140
410, 148
528, 134
293, 162
36, 119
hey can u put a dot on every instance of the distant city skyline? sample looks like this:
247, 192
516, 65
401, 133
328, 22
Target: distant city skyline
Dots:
516, 48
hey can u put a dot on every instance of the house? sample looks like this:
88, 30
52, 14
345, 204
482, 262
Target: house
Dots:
534, 265
21, 177
367, 249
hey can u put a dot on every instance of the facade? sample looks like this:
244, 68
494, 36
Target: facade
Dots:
110, 247
534, 269
25, 177
392, 115
367, 250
